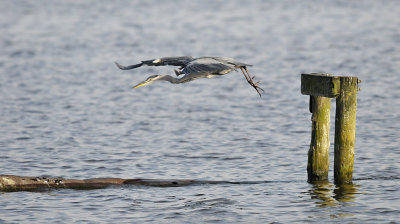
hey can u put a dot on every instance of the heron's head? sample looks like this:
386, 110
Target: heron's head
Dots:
148, 81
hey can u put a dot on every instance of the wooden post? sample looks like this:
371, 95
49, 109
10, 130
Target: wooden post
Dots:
318, 154
320, 86
345, 129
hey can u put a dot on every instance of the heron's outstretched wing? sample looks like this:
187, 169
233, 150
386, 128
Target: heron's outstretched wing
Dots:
175, 61
207, 65
230, 61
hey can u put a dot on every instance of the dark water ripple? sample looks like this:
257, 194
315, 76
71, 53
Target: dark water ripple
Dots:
66, 110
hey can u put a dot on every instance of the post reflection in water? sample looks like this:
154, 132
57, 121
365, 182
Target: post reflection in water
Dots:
330, 195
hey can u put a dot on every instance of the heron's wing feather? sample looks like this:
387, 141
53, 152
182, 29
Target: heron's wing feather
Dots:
230, 61
211, 68
175, 61
128, 67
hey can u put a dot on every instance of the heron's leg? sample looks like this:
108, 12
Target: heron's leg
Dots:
253, 78
245, 75
247, 71
250, 80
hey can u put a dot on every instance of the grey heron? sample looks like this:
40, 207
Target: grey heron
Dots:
194, 68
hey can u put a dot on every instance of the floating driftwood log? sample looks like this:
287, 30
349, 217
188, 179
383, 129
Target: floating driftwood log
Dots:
23, 183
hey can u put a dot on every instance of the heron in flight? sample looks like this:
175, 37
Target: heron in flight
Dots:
194, 68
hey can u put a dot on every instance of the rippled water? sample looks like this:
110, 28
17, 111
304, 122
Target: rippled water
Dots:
66, 110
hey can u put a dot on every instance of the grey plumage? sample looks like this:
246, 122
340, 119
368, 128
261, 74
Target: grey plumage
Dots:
194, 68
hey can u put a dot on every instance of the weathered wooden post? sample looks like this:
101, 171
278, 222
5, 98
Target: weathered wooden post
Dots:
345, 129
322, 87
318, 154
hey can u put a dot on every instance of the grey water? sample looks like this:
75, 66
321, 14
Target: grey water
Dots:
67, 110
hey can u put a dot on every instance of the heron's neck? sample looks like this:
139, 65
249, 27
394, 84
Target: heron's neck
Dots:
173, 79
169, 79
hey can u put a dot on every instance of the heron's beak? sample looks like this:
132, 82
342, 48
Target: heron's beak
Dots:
145, 83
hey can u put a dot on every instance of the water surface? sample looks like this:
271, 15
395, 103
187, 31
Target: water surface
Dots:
66, 110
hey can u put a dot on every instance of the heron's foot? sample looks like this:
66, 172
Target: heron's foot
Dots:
256, 86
